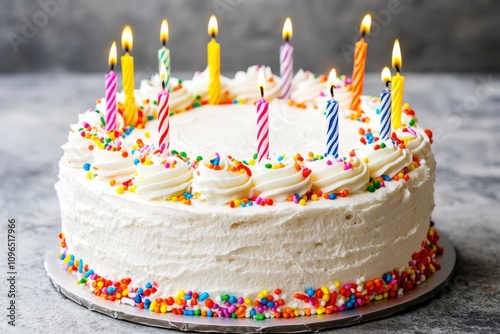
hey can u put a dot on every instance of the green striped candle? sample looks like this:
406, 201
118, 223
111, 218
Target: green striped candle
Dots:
164, 53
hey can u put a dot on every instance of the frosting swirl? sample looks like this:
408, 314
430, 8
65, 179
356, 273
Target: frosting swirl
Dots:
180, 98
280, 183
386, 161
221, 185
244, 85
76, 150
307, 87
198, 86
334, 176
343, 94
113, 165
163, 178
416, 141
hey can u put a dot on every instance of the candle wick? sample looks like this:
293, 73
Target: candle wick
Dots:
163, 84
261, 91
112, 67
387, 83
164, 42
397, 68
213, 35
331, 91
363, 34
126, 49
287, 38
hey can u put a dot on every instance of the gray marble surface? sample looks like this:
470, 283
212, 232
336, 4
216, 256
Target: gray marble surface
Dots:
463, 111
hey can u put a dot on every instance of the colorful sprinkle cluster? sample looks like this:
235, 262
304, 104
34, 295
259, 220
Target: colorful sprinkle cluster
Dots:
326, 299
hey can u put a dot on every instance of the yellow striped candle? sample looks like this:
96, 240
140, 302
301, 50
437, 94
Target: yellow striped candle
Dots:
213, 55
127, 61
398, 86
358, 74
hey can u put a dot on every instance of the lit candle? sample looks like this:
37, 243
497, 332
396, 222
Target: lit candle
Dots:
164, 53
385, 106
398, 86
213, 53
163, 114
332, 119
262, 120
286, 61
110, 91
358, 74
130, 113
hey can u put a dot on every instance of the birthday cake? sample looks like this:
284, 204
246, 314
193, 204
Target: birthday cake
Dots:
204, 226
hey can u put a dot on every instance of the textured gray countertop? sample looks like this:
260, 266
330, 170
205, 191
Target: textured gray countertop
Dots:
462, 110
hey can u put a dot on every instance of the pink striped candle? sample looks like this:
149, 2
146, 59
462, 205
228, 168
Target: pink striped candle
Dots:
163, 115
286, 61
262, 121
110, 91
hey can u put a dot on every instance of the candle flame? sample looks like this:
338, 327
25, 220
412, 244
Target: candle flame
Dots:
213, 28
332, 78
112, 55
366, 24
287, 29
164, 31
385, 75
397, 61
261, 79
127, 38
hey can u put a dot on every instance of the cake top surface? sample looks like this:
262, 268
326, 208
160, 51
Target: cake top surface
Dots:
212, 152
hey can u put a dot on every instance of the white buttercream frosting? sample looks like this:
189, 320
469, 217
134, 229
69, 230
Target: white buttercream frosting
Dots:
163, 178
180, 98
76, 150
416, 141
198, 85
244, 86
220, 186
386, 161
330, 175
307, 87
113, 165
281, 182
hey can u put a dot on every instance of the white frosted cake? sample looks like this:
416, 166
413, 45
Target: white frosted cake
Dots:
207, 230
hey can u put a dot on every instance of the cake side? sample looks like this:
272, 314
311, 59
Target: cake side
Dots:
222, 250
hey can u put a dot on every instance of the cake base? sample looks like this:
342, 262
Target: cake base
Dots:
65, 284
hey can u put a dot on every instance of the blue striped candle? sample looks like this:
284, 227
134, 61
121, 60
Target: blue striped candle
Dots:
332, 128
332, 120
385, 114
385, 106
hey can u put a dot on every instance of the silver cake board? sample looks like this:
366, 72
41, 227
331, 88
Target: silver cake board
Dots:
66, 284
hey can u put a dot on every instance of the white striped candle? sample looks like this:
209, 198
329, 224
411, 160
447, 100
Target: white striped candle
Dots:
110, 91
286, 61
262, 121
332, 120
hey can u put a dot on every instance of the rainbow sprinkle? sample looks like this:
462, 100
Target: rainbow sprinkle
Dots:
267, 303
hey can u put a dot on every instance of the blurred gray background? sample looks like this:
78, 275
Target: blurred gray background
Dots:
73, 35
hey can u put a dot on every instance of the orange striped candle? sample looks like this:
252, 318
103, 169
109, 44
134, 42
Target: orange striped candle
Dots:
358, 74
